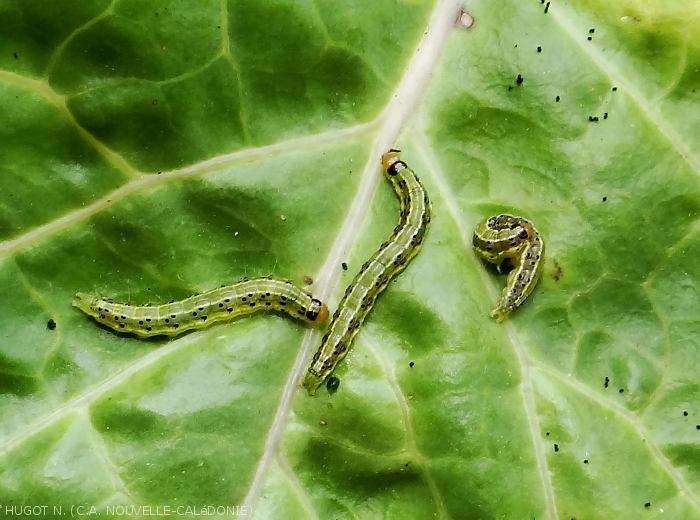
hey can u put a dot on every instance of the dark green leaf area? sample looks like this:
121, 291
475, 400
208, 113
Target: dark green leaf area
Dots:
646, 41
297, 33
484, 439
135, 41
674, 284
383, 36
46, 167
184, 428
17, 378
333, 90
687, 85
92, 263
33, 29
665, 203
624, 311
331, 64
151, 250
235, 227
174, 455
158, 126
474, 179
181, 87
460, 460
52, 465
62, 369
336, 416
623, 371
395, 485
476, 375
466, 493
686, 456
111, 417
23, 315
674, 420
683, 335
642, 31
509, 107
526, 148
405, 317
551, 335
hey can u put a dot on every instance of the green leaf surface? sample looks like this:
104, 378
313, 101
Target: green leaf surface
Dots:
150, 151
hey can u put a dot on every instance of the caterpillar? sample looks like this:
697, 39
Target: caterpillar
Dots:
197, 312
391, 258
514, 238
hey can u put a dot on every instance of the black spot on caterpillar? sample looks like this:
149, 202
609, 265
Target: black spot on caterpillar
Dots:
505, 237
391, 258
51, 324
200, 311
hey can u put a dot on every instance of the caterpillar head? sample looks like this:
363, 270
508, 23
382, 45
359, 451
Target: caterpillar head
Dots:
317, 312
391, 163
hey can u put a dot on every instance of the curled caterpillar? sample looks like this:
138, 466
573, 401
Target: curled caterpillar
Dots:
197, 312
515, 238
387, 262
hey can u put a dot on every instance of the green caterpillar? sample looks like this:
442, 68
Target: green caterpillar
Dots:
200, 311
508, 237
391, 258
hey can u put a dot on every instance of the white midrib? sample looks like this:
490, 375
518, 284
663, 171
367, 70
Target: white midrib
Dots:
400, 108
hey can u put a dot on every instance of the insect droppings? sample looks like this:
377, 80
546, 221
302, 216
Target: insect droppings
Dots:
332, 384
